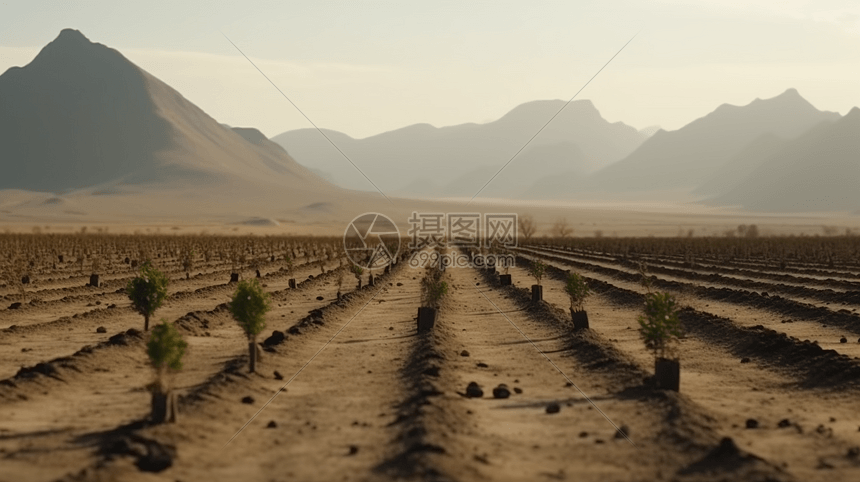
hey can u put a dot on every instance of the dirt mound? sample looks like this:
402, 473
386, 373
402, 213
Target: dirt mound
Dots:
47, 369
727, 457
126, 338
150, 455
815, 366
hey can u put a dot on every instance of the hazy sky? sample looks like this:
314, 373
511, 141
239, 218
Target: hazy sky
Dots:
364, 67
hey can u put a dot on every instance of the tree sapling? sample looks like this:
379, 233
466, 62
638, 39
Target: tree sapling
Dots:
537, 271
660, 329
187, 261
290, 267
165, 349
432, 291
249, 307
577, 290
95, 271
147, 291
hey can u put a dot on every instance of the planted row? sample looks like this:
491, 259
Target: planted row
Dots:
659, 325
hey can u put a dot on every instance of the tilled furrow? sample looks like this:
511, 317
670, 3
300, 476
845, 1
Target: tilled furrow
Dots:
791, 309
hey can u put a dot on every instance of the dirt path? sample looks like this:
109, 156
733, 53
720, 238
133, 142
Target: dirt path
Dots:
334, 420
515, 438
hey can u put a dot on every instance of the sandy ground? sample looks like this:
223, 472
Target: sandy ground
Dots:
818, 427
102, 387
169, 212
353, 393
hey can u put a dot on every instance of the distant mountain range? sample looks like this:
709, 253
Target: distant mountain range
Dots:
728, 157
82, 122
816, 171
457, 160
690, 156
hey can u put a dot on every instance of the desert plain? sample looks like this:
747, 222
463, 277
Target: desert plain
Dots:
746, 217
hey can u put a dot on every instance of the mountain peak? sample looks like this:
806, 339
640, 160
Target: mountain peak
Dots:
71, 35
790, 95
69, 40
788, 103
544, 109
71, 49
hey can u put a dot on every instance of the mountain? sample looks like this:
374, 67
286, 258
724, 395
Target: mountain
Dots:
689, 156
511, 181
577, 139
558, 185
81, 116
817, 171
741, 165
